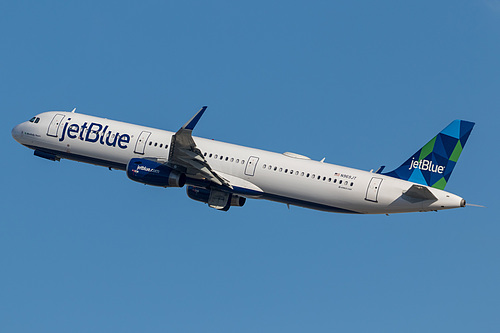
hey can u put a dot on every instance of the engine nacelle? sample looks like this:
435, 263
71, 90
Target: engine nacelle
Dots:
198, 193
154, 173
214, 197
238, 201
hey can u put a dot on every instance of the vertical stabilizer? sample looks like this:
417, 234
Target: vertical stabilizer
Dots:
433, 164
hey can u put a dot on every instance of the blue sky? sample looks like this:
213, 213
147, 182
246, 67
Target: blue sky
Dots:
361, 83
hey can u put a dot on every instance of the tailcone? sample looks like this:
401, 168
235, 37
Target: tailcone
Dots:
447, 200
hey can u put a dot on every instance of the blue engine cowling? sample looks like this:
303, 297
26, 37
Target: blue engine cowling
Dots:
154, 173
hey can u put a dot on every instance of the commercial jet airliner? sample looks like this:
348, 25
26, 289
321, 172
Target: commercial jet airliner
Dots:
224, 175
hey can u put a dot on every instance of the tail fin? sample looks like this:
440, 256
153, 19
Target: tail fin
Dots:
433, 163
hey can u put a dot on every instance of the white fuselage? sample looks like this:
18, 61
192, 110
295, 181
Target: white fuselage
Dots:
253, 173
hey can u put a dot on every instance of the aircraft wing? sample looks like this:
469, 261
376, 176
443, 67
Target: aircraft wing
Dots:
186, 157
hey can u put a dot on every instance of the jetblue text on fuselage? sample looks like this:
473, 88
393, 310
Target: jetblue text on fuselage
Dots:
95, 132
426, 165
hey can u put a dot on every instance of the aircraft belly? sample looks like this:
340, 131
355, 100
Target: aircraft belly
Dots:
254, 173
307, 192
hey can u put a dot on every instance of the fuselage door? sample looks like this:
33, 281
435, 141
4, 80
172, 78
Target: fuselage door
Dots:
373, 188
141, 142
251, 164
54, 125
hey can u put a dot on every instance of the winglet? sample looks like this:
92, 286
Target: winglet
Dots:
193, 121
379, 170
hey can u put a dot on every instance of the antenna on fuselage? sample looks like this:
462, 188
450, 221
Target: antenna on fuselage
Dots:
73, 110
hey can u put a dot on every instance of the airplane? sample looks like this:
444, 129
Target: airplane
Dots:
224, 175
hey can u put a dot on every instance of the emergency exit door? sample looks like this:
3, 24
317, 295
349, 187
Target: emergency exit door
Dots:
251, 164
54, 125
373, 188
141, 142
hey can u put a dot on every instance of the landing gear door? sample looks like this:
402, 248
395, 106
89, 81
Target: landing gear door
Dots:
141, 142
251, 164
373, 188
54, 125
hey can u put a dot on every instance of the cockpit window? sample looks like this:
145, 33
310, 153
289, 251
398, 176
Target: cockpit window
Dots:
37, 120
34, 120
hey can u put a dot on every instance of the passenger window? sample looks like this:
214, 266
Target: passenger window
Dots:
307, 176
264, 166
237, 160
286, 170
232, 159
334, 181
210, 155
324, 178
221, 158
156, 144
340, 181
227, 158
166, 146
329, 179
150, 142
242, 161
352, 184
281, 169
161, 145
270, 167
302, 173
215, 156
275, 168
205, 154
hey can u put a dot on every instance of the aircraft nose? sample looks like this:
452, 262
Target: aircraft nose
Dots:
16, 132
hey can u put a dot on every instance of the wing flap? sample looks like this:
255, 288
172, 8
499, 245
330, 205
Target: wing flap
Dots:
185, 156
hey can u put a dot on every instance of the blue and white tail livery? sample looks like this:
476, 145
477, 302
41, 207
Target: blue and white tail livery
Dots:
433, 164
223, 175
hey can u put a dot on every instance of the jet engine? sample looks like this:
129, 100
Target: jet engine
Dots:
154, 173
214, 198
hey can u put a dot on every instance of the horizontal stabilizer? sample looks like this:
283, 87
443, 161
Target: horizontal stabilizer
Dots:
420, 192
